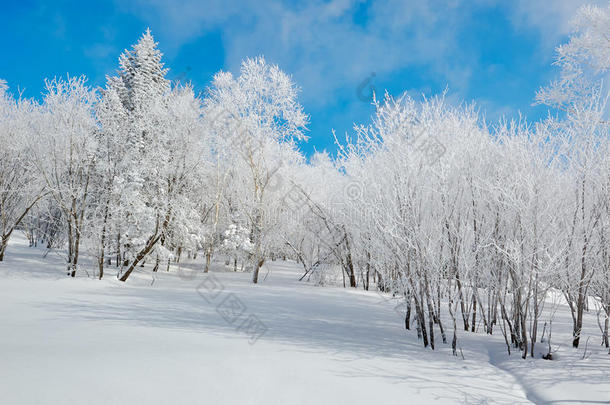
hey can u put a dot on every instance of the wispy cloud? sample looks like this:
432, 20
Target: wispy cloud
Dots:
325, 45
331, 46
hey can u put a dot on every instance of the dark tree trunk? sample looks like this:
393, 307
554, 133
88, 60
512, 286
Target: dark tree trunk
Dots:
141, 254
474, 312
256, 270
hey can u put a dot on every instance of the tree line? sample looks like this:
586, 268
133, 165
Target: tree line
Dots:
461, 219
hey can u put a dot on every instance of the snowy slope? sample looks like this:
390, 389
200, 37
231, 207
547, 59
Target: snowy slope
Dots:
73, 341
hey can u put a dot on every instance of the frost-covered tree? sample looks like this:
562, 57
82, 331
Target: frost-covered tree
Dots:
141, 87
263, 120
166, 211
152, 150
110, 156
65, 155
584, 137
236, 243
20, 188
584, 61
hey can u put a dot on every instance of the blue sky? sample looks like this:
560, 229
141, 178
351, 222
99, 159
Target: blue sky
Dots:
496, 53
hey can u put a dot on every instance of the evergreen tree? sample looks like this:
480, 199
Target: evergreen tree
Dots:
141, 76
143, 90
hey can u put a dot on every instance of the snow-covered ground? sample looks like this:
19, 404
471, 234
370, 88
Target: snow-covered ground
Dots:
77, 341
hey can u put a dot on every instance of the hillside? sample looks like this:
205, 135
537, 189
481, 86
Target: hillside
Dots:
69, 341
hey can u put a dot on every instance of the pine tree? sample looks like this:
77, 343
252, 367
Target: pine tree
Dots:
141, 77
142, 88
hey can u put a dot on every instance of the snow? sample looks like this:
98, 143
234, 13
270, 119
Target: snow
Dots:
160, 340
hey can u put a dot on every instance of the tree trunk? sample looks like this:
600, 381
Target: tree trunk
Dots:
76, 249
3, 245
151, 243
606, 324
259, 263
408, 314
474, 312
156, 266
208, 259
103, 241
458, 282
118, 248
580, 301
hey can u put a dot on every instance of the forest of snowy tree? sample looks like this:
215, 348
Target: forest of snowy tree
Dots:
464, 219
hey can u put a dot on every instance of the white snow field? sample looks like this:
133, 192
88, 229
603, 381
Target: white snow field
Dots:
86, 341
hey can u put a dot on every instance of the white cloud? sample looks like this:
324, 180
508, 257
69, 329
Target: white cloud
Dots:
552, 17
319, 43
